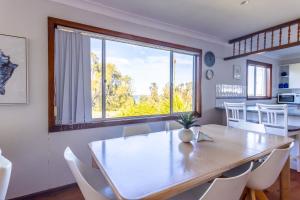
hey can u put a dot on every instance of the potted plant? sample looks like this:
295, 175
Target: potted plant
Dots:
187, 120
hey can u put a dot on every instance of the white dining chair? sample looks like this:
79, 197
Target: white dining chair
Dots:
136, 129
249, 126
267, 173
172, 125
221, 188
235, 112
5, 173
275, 119
91, 182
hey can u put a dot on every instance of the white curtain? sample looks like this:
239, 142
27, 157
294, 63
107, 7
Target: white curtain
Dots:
72, 77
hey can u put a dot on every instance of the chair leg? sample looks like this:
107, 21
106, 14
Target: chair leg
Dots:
261, 195
252, 194
244, 194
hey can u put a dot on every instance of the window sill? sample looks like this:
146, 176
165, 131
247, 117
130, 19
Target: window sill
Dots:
114, 122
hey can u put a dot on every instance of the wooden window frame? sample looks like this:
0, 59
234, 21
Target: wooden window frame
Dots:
269, 86
53, 127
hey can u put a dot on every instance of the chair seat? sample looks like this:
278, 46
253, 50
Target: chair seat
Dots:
192, 194
242, 168
95, 178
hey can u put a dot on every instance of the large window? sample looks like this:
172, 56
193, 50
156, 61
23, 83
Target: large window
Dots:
138, 80
259, 80
130, 79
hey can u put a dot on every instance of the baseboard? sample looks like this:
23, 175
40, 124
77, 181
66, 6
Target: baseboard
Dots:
45, 192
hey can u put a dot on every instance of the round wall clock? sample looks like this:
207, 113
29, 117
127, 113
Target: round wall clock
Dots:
209, 74
209, 59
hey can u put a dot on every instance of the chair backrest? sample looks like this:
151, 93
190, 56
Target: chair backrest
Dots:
77, 169
136, 129
233, 112
274, 117
249, 126
267, 173
5, 172
172, 125
227, 188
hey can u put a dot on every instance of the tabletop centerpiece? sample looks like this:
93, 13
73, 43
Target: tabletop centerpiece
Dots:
187, 120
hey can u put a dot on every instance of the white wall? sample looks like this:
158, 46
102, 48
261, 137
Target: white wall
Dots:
38, 156
294, 71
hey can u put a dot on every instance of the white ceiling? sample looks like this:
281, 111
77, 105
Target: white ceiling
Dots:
226, 19
214, 19
284, 54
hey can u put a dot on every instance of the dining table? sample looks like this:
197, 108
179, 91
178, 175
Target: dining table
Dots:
159, 166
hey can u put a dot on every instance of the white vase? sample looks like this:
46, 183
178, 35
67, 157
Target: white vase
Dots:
186, 135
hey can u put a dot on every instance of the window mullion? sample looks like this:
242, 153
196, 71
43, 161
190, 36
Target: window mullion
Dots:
103, 79
171, 81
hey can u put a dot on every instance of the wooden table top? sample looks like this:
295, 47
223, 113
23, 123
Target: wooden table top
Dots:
159, 166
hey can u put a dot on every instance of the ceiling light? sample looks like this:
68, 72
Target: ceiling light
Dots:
244, 2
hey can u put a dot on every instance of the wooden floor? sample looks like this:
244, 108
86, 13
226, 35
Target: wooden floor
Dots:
73, 193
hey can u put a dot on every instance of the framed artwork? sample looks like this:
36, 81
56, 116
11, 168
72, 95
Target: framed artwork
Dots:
237, 72
13, 70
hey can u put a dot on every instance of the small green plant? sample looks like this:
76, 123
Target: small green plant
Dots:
187, 120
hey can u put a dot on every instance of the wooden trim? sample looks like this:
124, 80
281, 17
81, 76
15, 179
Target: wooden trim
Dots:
269, 86
251, 45
280, 36
233, 49
45, 192
61, 22
272, 45
51, 89
265, 30
198, 86
257, 43
112, 122
279, 28
54, 22
289, 34
264, 50
265, 40
298, 32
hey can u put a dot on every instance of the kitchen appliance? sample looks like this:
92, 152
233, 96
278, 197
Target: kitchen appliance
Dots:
288, 98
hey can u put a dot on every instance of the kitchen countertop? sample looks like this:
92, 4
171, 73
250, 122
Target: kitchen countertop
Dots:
293, 110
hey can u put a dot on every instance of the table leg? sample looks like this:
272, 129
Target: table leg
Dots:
285, 178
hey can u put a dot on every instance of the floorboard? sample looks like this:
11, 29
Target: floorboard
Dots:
74, 193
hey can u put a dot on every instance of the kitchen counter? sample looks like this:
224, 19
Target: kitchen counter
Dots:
293, 110
293, 115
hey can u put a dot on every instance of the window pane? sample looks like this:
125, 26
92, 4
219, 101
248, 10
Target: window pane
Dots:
183, 73
137, 80
251, 76
96, 74
261, 83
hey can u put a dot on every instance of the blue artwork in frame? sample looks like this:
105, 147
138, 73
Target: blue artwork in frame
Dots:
13, 70
6, 71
